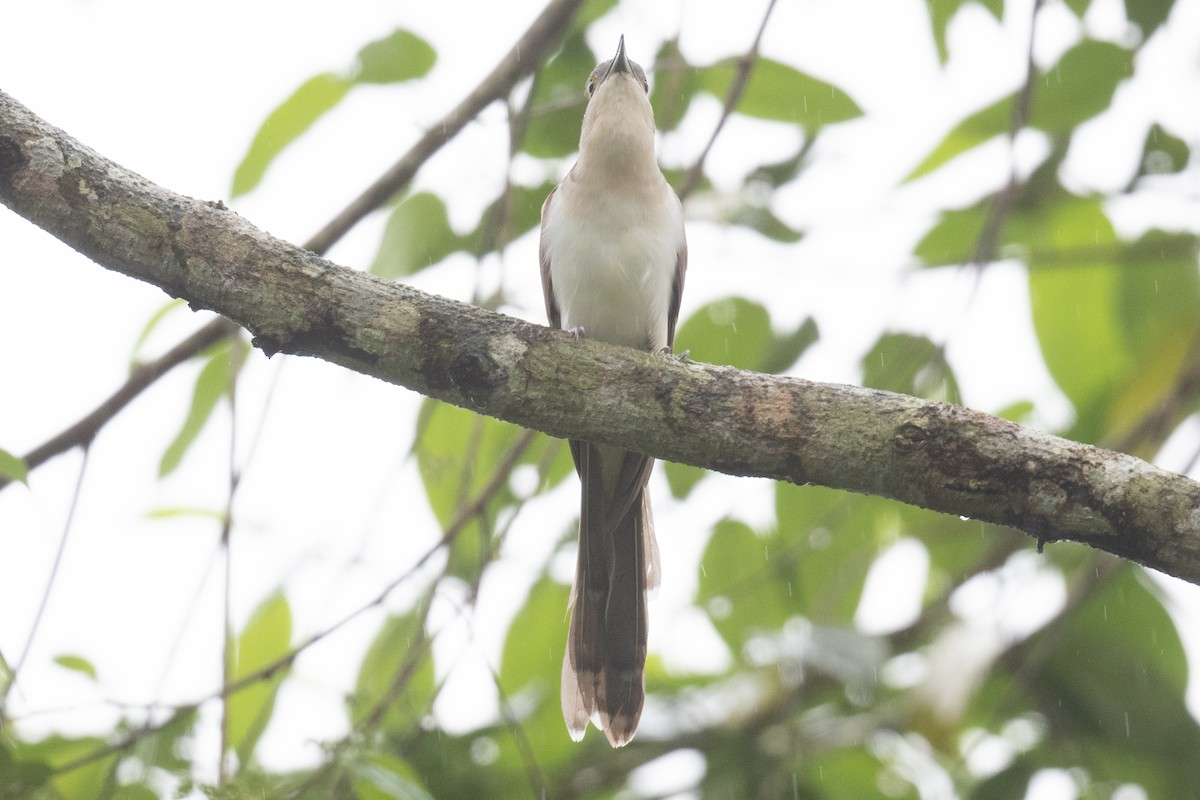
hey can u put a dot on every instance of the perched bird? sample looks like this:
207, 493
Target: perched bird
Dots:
613, 257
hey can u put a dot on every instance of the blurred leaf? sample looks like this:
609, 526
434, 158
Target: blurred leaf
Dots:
912, 365
1163, 154
86, 782
285, 124
382, 776
133, 792
825, 543
175, 513
517, 210
1080, 86
13, 467
76, 664
559, 100
1075, 89
1148, 14
763, 220
265, 639
531, 668
1113, 686
417, 236
740, 585
776, 91
675, 84
682, 478
1078, 6
781, 172
1074, 308
399, 56
396, 676
533, 648
225, 360
457, 454
983, 125
151, 324
737, 332
953, 238
942, 11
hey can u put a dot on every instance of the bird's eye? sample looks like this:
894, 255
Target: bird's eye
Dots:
591, 86
645, 86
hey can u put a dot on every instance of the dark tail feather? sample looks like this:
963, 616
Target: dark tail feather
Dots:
604, 666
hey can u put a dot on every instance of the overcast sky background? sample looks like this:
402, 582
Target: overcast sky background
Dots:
176, 92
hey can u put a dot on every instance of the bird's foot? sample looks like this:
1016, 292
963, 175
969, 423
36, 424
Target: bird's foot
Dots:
682, 357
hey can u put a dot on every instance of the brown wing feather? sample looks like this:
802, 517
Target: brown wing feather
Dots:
676, 293
552, 312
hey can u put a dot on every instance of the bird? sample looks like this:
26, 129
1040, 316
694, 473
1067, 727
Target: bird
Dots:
613, 255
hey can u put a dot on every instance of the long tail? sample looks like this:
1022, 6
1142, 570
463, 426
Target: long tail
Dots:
603, 674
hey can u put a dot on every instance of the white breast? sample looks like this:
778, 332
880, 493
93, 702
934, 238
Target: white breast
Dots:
612, 260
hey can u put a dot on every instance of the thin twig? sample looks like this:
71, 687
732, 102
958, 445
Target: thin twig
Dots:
50, 581
142, 377
477, 504
1005, 200
546, 31
745, 66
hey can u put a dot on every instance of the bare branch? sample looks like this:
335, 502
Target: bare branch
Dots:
83, 431
934, 455
524, 57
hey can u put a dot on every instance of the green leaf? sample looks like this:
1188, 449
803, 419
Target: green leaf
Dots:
740, 585
559, 100
738, 332
953, 238
983, 125
396, 676
682, 478
762, 219
397, 57
1075, 89
531, 668
1113, 686
86, 782
76, 664
265, 639
1074, 308
458, 453
176, 512
533, 649
417, 235
385, 777
400, 56
942, 11
1078, 6
912, 365
1080, 86
517, 210
824, 543
215, 381
13, 467
285, 124
1163, 154
776, 91
151, 324
1148, 14
674, 86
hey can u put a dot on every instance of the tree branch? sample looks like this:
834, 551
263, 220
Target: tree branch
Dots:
83, 431
935, 455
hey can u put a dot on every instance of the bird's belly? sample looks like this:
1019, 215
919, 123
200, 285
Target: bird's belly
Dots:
614, 280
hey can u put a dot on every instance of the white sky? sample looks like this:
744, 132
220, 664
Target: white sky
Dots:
176, 91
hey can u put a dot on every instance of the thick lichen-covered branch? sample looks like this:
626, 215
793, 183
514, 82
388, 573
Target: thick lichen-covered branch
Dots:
935, 455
